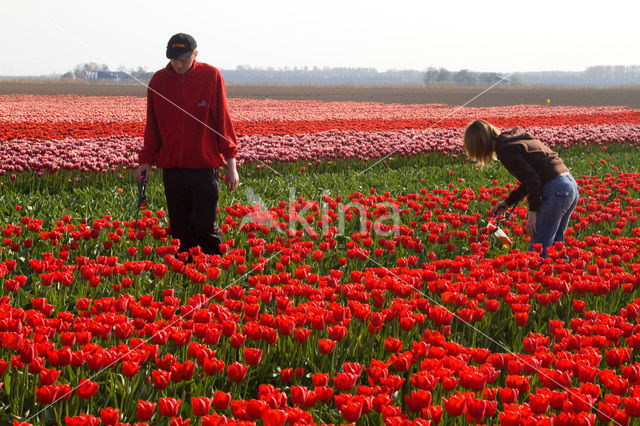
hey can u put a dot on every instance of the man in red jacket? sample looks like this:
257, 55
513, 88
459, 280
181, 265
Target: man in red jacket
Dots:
189, 135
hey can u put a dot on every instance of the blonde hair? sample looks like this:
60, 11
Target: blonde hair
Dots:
479, 141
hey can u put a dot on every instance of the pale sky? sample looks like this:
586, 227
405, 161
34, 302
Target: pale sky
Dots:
45, 36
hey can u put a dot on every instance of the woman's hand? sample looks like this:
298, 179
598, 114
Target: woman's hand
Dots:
142, 172
531, 223
500, 209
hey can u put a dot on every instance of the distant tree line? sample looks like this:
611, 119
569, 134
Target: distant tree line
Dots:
322, 76
359, 76
89, 70
599, 76
465, 77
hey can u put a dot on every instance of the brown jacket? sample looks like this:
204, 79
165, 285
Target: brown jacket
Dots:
531, 162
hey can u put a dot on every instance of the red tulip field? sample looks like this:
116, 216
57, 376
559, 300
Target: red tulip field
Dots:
356, 284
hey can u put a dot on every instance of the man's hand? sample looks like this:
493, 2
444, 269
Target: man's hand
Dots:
500, 209
231, 176
531, 223
142, 172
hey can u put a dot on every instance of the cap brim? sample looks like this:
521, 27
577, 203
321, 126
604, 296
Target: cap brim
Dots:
181, 54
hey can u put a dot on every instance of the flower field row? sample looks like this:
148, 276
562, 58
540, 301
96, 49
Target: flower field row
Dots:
86, 109
54, 118
299, 324
65, 129
115, 152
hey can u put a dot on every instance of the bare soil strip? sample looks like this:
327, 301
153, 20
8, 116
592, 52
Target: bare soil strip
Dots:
450, 95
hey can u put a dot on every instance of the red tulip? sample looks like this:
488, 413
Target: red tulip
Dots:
160, 379
274, 417
145, 410
579, 305
440, 315
521, 318
237, 371
237, 340
435, 412
455, 404
109, 416
324, 393
345, 381
178, 421
213, 420
303, 397
286, 325
510, 418
403, 361
475, 409
508, 395
201, 405
351, 411
86, 389
130, 369
255, 408
82, 420
393, 345
169, 407
302, 334
221, 400
213, 366
48, 377
616, 357
252, 356
286, 374
326, 345
416, 401
632, 406
521, 383
320, 379
46, 394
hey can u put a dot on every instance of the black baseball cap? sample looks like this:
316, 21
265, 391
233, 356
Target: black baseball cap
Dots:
181, 46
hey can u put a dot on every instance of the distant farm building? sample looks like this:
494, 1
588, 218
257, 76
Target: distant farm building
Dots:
112, 76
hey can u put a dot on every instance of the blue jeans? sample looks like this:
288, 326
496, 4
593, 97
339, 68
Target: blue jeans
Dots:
559, 199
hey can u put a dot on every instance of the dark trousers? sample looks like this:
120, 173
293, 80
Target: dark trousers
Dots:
192, 202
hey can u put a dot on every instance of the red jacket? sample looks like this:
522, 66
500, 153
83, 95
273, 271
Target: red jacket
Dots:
173, 138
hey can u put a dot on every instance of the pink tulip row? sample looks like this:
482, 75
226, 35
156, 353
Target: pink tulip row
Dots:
265, 110
87, 155
111, 153
39, 109
31, 108
337, 144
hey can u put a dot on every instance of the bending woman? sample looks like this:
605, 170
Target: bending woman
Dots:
551, 191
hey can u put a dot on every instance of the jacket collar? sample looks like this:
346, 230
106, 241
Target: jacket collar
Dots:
173, 72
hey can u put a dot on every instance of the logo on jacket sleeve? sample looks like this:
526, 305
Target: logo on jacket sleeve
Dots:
202, 103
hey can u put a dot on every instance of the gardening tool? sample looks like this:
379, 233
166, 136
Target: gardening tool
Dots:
494, 228
142, 200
